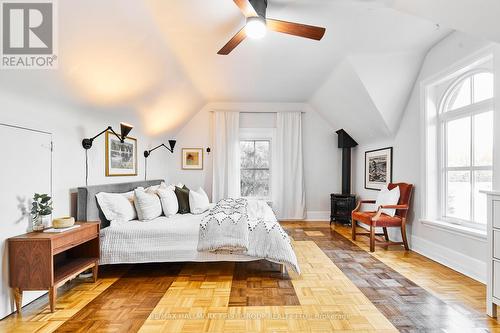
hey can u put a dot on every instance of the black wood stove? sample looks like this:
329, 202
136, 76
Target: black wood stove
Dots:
343, 204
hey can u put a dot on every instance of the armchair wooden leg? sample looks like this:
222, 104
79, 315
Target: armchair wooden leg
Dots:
403, 236
353, 228
372, 238
386, 235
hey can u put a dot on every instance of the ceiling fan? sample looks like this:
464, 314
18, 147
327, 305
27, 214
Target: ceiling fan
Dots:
257, 25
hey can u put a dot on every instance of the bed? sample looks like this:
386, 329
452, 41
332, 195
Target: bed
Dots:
173, 239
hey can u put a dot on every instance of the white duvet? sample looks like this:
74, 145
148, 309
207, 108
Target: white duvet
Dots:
160, 240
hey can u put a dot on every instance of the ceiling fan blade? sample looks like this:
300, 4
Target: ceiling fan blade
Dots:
296, 29
233, 42
246, 7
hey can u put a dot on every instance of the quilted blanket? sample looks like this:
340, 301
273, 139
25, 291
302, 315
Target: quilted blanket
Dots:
247, 227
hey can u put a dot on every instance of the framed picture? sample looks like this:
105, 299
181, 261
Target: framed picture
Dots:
121, 158
378, 168
192, 158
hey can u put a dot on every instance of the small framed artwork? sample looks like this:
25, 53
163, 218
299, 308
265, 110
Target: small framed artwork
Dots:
378, 168
192, 158
121, 158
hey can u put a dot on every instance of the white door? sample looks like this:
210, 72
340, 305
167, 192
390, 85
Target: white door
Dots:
25, 168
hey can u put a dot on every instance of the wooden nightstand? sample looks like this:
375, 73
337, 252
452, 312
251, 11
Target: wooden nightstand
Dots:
45, 261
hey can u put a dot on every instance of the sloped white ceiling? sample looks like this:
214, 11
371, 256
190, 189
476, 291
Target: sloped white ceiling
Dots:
345, 103
479, 18
157, 58
388, 79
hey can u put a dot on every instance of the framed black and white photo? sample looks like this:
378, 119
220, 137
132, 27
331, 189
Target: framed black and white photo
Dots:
378, 168
121, 158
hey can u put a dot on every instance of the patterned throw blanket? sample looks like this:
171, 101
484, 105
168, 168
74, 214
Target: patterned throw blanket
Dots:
246, 227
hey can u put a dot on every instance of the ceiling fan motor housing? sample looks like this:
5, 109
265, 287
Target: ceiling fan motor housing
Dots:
260, 7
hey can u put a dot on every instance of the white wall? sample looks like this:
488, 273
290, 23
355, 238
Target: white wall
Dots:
465, 253
68, 125
321, 155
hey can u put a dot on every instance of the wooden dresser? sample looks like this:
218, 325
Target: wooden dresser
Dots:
45, 261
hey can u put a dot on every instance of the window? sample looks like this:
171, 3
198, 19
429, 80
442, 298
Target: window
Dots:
255, 168
466, 145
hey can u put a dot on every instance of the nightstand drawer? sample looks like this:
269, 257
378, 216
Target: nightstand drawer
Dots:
496, 214
496, 244
74, 238
496, 279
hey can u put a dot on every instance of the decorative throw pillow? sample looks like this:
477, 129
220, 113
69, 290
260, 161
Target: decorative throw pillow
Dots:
386, 197
183, 199
198, 201
168, 200
117, 206
147, 203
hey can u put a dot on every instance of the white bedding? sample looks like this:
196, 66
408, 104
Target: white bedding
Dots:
164, 239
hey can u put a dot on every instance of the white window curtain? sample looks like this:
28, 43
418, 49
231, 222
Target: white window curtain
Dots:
226, 156
288, 179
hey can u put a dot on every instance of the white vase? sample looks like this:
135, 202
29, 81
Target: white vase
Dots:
46, 221
41, 222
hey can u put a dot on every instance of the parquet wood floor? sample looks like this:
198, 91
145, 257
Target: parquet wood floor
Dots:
261, 283
407, 305
124, 306
342, 288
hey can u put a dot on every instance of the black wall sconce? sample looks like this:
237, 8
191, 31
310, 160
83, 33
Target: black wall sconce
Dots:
208, 150
87, 143
148, 152
124, 131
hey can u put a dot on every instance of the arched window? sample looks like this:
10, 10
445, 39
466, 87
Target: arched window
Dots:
466, 147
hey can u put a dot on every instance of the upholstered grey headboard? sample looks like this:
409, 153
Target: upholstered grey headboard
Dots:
88, 208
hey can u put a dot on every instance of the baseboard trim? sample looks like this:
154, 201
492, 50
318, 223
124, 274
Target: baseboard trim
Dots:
317, 215
473, 268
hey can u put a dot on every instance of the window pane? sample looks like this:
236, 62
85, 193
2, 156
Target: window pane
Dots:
255, 183
458, 196
482, 181
261, 186
458, 142
262, 154
461, 95
247, 153
483, 87
483, 139
246, 181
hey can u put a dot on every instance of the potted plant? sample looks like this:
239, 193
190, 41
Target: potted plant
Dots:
40, 211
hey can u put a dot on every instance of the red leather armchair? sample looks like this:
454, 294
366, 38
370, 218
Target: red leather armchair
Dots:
376, 218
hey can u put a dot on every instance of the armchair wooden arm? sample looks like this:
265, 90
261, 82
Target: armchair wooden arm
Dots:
360, 202
379, 210
394, 207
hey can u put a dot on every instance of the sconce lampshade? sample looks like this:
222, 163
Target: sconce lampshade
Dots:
125, 129
172, 144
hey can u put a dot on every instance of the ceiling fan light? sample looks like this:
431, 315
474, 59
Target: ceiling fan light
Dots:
256, 27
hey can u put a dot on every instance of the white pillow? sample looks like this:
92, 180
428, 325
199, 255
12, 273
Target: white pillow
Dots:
153, 188
117, 206
147, 204
198, 201
168, 200
386, 197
